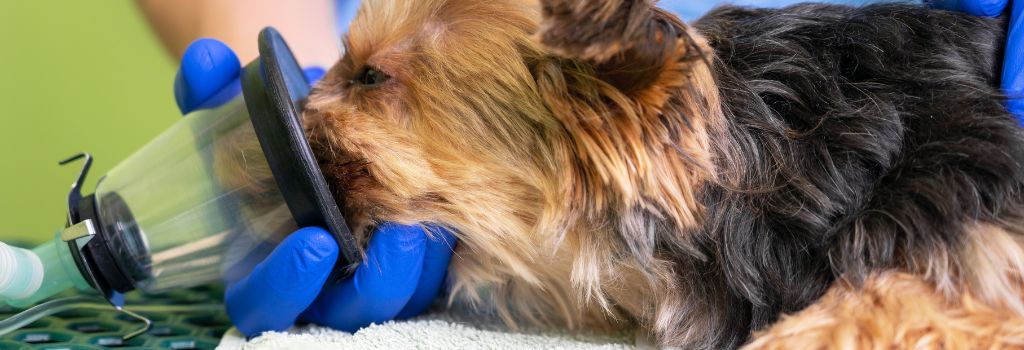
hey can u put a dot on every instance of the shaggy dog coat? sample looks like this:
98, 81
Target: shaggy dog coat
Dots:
808, 177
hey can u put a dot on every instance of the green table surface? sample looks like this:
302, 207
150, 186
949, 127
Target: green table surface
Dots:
87, 329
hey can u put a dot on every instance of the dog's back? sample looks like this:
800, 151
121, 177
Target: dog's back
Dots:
865, 139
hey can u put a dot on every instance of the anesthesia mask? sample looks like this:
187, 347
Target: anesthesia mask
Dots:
199, 204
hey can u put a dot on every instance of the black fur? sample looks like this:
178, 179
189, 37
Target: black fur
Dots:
861, 139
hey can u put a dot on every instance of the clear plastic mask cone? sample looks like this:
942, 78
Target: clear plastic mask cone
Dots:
193, 203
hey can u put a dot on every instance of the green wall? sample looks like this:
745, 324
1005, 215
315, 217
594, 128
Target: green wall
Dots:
74, 76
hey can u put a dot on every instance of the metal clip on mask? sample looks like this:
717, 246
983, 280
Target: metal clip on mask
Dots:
199, 204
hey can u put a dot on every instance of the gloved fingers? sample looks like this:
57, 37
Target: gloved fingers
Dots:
234, 87
1013, 61
284, 285
313, 74
990, 8
381, 285
435, 268
207, 67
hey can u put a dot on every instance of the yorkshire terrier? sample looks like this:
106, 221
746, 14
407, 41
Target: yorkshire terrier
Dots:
809, 177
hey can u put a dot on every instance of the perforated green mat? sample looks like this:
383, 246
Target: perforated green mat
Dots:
91, 330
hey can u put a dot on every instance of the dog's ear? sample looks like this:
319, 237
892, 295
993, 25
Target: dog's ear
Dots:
636, 96
631, 44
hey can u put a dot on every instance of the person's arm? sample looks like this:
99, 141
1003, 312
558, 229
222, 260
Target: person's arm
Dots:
309, 25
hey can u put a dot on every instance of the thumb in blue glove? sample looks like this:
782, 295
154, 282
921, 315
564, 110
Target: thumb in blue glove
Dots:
284, 284
402, 274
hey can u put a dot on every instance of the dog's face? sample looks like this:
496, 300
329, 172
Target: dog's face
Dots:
432, 106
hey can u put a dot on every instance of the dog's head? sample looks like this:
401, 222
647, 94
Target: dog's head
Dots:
431, 104
459, 112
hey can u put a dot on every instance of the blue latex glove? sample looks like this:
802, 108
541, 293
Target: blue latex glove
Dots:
1013, 61
403, 272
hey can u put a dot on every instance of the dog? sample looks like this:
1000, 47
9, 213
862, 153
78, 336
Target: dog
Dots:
816, 176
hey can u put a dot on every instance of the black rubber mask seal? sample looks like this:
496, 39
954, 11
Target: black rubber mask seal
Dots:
274, 88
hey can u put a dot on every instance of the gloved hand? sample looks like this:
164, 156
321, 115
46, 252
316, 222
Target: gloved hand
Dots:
403, 271
1013, 61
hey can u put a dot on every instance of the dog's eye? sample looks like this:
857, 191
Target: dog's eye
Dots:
370, 77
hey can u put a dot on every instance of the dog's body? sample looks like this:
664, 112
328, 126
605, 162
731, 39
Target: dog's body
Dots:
603, 164
859, 141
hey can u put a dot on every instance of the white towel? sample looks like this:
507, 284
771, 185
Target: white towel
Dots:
433, 331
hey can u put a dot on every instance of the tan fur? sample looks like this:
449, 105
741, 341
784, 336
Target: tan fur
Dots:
554, 178
406, 158
995, 261
976, 305
895, 311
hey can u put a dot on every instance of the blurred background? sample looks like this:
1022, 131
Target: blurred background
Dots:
74, 76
